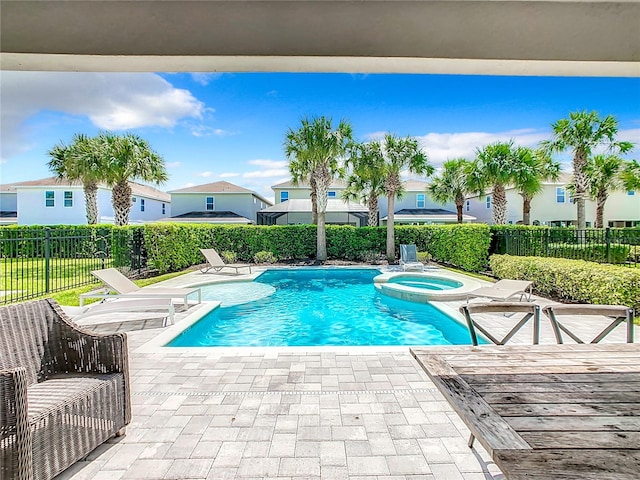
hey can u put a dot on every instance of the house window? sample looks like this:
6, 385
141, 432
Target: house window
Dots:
488, 201
560, 194
134, 199
468, 205
164, 209
420, 200
284, 196
331, 194
631, 193
68, 199
255, 200
210, 203
142, 204
49, 199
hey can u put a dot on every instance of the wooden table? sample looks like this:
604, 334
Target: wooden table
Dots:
547, 411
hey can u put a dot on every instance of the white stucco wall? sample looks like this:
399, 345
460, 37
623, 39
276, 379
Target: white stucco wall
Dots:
245, 204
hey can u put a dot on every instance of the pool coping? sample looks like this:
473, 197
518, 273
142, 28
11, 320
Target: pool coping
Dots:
421, 295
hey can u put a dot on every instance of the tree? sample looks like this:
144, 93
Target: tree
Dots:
80, 161
314, 151
531, 169
366, 183
452, 185
583, 132
399, 154
495, 165
604, 177
631, 175
127, 158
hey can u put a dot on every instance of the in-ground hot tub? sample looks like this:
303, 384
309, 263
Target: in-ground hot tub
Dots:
427, 286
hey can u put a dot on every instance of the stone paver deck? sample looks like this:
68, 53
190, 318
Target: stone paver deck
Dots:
218, 413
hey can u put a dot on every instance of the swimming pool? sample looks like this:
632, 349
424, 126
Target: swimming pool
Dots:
320, 307
426, 282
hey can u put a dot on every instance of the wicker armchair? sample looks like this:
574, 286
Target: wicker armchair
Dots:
63, 391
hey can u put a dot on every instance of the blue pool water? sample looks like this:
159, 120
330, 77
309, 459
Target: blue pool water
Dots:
316, 307
428, 283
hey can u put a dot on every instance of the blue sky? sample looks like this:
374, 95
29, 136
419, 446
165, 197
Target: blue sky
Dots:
230, 126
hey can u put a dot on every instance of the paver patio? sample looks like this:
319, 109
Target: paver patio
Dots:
216, 413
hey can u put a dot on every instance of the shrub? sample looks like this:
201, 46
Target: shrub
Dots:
265, 256
424, 257
573, 280
229, 257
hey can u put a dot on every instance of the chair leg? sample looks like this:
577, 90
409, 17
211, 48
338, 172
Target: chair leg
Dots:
471, 440
121, 432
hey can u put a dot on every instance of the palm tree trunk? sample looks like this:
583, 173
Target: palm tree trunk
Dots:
323, 180
581, 181
526, 210
391, 239
459, 206
499, 206
601, 199
314, 201
121, 200
373, 211
91, 202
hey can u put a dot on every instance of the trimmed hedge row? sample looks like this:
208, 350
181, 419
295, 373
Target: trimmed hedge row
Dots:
573, 280
173, 247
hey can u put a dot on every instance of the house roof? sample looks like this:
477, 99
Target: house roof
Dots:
208, 217
136, 188
304, 205
415, 185
428, 215
218, 188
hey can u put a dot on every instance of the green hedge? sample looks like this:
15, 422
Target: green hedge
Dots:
172, 247
573, 280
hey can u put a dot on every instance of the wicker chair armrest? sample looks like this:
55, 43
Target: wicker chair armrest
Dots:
14, 425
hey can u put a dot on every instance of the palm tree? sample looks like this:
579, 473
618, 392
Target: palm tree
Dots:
314, 151
495, 165
127, 158
452, 185
366, 183
399, 154
604, 177
80, 161
631, 175
582, 132
532, 168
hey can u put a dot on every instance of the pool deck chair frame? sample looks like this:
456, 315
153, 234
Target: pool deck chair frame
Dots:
215, 263
125, 288
619, 314
531, 310
504, 290
409, 258
164, 305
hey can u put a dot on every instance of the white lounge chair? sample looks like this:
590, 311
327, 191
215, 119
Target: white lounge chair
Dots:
409, 258
137, 305
125, 288
215, 263
504, 290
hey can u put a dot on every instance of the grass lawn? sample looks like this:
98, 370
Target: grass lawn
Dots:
68, 278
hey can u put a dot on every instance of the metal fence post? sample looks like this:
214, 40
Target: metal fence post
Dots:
47, 258
607, 240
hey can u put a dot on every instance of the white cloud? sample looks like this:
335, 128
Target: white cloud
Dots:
205, 131
269, 163
173, 164
112, 101
229, 175
630, 135
205, 78
269, 173
204, 174
443, 146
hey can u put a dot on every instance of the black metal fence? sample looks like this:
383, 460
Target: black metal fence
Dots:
611, 245
38, 261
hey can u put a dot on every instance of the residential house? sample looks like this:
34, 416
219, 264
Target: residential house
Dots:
416, 207
293, 206
218, 202
554, 206
52, 201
